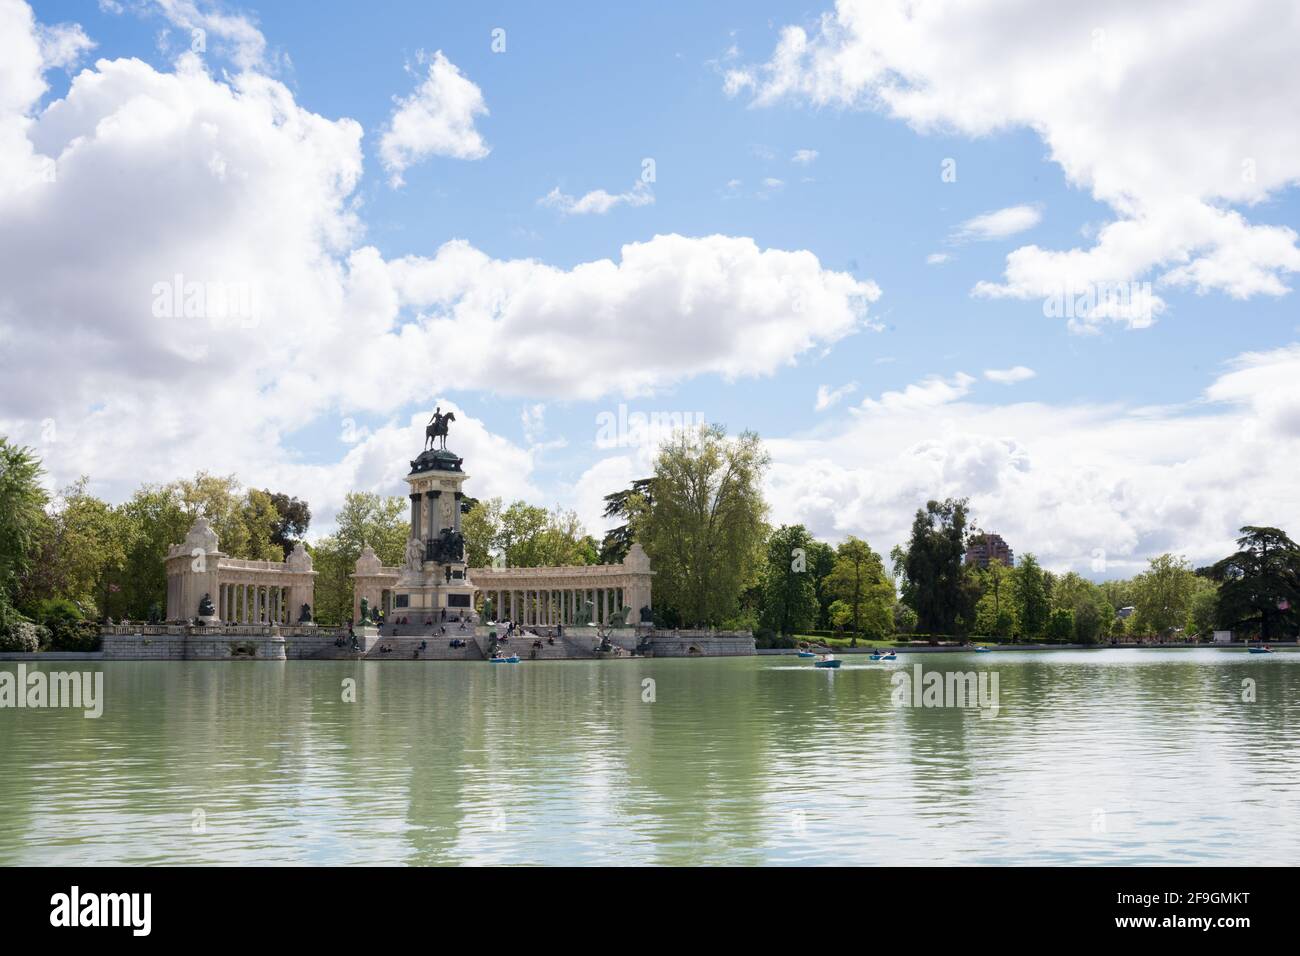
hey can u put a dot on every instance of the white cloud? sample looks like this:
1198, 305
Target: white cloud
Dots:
229, 184
929, 392
828, 397
937, 258
1074, 483
999, 224
1009, 376
437, 119
232, 35
1130, 99
598, 201
804, 157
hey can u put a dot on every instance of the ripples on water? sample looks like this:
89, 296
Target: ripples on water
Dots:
1121, 757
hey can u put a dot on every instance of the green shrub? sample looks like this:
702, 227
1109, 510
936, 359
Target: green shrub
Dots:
23, 636
73, 635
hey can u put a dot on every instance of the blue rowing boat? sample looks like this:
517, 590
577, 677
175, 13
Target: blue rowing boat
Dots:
1260, 650
982, 650
807, 654
513, 659
830, 663
884, 657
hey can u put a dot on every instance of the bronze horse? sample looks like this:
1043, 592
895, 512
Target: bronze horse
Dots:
437, 428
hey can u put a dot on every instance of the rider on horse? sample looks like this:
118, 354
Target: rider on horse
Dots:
437, 427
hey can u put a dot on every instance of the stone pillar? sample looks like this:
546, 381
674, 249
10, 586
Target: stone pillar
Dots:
431, 504
415, 517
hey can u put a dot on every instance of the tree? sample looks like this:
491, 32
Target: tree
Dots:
156, 519
706, 526
22, 514
1204, 610
365, 518
218, 498
481, 526
931, 566
631, 505
1087, 602
1030, 590
864, 592
1162, 594
532, 537
293, 516
1060, 625
1259, 585
789, 589
821, 561
262, 526
995, 611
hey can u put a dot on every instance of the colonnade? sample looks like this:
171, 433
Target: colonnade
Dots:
254, 604
551, 606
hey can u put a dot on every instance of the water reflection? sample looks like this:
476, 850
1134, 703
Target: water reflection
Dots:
1095, 757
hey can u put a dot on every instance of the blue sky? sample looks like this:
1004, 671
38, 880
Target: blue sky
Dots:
578, 101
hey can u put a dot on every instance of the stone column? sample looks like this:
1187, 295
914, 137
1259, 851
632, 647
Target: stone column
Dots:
415, 517
431, 503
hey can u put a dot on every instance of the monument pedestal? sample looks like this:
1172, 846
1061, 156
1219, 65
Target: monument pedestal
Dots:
367, 636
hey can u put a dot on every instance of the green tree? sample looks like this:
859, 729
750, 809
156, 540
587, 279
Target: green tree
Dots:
1030, 589
219, 499
1204, 610
821, 561
532, 537
995, 612
262, 527
365, 518
1259, 585
706, 527
931, 566
789, 588
156, 519
862, 589
1163, 594
1060, 625
81, 551
481, 526
630, 505
22, 515
293, 517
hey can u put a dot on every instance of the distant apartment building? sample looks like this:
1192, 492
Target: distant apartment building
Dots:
989, 547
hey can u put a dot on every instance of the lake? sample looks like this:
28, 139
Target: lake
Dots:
1094, 757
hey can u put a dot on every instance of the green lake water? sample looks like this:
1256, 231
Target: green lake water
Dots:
1094, 757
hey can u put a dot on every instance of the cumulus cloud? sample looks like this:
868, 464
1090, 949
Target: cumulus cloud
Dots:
804, 157
1131, 101
437, 119
1009, 376
1097, 488
999, 224
598, 201
196, 264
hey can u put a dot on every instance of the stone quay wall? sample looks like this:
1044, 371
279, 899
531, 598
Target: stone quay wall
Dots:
170, 642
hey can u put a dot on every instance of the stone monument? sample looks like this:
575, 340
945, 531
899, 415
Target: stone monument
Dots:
434, 582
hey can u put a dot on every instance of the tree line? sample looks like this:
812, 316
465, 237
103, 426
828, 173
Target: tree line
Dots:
73, 558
